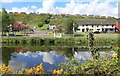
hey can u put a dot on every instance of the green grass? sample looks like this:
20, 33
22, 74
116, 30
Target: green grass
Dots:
45, 26
112, 36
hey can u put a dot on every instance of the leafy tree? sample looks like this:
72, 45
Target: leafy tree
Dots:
40, 24
75, 27
5, 21
0, 22
70, 24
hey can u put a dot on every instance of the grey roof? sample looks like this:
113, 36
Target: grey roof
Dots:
95, 22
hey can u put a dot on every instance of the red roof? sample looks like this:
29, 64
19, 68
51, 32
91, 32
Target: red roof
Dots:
117, 26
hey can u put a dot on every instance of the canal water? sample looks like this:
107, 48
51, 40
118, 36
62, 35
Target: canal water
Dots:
20, 57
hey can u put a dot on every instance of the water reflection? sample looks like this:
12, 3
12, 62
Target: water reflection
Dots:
19, 57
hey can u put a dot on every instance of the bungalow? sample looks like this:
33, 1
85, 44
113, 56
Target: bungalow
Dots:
52, 26
97, 17
103, 17
84, 15
106, 27
91, 16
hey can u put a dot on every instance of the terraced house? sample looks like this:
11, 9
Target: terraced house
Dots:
102, 26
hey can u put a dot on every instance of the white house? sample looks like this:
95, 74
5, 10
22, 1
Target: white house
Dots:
52, 26
96, 26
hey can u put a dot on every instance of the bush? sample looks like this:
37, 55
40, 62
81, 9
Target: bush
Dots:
40, 24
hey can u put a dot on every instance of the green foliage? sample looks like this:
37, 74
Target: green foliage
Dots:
5, 20
70, 23
40, 24
69, 26
71, 67
36, 40
45, 27
103, 66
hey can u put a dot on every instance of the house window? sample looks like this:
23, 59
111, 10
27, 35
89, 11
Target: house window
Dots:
87, 29
106, 25
111, 29
82, 25
83, 30
86, 24
97, 25
92, 25
112, 25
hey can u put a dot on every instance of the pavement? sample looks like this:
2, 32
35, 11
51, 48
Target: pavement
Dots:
39, 34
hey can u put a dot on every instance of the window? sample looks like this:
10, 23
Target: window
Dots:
92, 25
87, 29
83, 30
112, 25
97, 25
106, 25
82, 25
111, 29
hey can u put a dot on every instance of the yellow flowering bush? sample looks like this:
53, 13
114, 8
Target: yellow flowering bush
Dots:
58, 71
5, 69
39, 69
35, 70
114, 55
29, 71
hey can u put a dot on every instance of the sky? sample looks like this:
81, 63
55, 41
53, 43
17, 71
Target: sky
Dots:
89, 7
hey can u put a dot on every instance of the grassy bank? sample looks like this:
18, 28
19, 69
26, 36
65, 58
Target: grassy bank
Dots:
100, 40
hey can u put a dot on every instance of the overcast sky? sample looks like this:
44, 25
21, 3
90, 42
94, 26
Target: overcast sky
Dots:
89, 7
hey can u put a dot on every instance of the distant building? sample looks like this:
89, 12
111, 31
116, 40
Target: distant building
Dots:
84, 15
22, 12
52, 26
106, 27
91, 16
15, 12
103, 17
97, 17
10, 12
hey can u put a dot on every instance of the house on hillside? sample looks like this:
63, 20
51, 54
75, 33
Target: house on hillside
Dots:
52, 26
91, 16
103, 17
97, 16
106, 27
84, 15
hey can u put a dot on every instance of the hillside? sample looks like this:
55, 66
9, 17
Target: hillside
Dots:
34, 19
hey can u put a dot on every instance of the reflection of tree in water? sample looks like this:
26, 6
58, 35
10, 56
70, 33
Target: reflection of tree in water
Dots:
69, 52
6, 54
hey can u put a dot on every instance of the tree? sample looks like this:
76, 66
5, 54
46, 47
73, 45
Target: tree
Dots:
75, 27
70, 24
5, 21
40, 24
